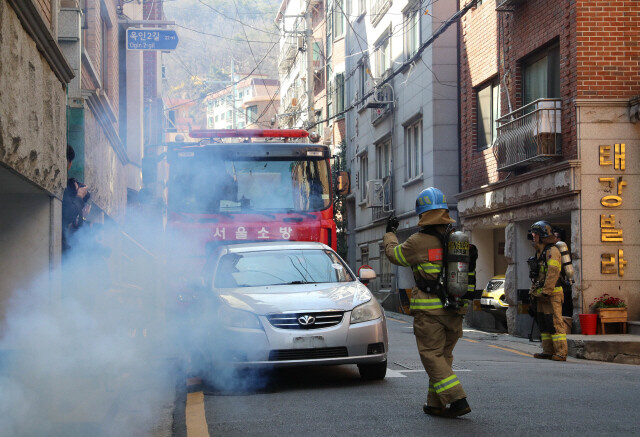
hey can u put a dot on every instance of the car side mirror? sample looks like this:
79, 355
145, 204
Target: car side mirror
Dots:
366, 275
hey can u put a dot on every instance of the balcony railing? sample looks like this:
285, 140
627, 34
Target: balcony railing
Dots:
529, 134
378, 113
384, 211
288, 52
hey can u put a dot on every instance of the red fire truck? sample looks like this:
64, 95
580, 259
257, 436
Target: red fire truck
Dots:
249, 190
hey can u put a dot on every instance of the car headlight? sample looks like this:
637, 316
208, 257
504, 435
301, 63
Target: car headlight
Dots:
232, 318
367, 311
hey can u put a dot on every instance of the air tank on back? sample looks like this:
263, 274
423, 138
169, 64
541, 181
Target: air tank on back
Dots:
567, 266
457, 264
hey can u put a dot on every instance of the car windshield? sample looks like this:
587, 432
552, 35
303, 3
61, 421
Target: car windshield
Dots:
204, 184
280, 267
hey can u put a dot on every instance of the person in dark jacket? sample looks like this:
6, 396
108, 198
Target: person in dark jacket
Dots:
74, 200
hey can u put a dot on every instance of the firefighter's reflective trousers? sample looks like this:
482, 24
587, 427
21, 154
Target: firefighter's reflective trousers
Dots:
552, 327
436, 336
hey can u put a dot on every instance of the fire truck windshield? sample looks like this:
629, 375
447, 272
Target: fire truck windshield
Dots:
212, 184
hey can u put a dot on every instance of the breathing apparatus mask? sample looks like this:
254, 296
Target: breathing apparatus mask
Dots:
534, 268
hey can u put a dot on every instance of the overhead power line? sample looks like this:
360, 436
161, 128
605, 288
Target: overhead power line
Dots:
235, 19
230, 85
409, 61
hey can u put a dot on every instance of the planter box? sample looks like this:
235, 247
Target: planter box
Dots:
612, 315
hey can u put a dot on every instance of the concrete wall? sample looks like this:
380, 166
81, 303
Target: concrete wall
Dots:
32, 152
25, 239
32, 109
606, 123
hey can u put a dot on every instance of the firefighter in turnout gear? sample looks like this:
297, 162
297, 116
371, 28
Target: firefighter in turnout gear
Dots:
546, 290
437, 329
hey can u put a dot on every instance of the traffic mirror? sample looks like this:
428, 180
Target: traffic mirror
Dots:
343, 183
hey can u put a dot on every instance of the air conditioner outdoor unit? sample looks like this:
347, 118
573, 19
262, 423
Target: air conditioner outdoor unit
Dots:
375, 193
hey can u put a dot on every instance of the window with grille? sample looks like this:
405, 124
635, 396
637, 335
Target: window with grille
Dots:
542, 75
383, 55
378, 8
339, 91
413, 150
364, 255
364, 176
383, 159
338, 19
411, 31
252, 114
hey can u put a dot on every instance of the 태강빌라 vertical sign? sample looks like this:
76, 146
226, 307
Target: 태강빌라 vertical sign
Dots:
151, 39
614, 158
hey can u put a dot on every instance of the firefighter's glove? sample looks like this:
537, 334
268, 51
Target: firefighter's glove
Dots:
392, 224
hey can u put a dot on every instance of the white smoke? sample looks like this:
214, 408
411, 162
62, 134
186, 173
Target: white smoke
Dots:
104, 357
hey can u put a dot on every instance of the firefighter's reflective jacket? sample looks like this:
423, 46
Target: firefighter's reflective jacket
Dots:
423, 253
549, 267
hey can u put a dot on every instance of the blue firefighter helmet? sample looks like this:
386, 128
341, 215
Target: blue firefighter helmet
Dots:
429, 199
542, 228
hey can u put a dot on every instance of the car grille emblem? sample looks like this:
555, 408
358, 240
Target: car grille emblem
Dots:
306, 320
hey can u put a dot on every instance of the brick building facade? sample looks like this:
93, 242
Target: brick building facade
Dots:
547, 92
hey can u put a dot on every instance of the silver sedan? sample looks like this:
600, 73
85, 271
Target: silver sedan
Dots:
290, 304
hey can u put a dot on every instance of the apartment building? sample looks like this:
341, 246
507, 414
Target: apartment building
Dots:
549, 131
253, 100
402, 123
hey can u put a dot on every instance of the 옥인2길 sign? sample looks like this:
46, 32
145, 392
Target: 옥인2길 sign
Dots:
151, 39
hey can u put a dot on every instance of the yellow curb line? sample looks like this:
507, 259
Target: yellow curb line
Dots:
196, 419
510, 350
396, 320
471, 341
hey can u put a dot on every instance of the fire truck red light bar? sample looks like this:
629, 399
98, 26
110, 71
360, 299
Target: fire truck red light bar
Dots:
249, 133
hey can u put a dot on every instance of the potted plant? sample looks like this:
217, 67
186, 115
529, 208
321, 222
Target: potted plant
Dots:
610, 310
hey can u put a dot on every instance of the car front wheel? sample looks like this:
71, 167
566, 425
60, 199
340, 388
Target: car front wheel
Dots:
372, 372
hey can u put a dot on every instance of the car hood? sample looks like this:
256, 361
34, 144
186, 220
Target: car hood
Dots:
297, 297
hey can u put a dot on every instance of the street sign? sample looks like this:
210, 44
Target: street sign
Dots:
151, 39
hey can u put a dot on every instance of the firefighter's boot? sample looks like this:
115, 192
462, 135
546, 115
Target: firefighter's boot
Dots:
542, 356
433, 411
458, 408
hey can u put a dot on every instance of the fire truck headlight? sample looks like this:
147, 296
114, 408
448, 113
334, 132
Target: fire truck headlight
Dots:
367, 311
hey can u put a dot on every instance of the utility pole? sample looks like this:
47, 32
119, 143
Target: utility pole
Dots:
233, 95
309, 43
